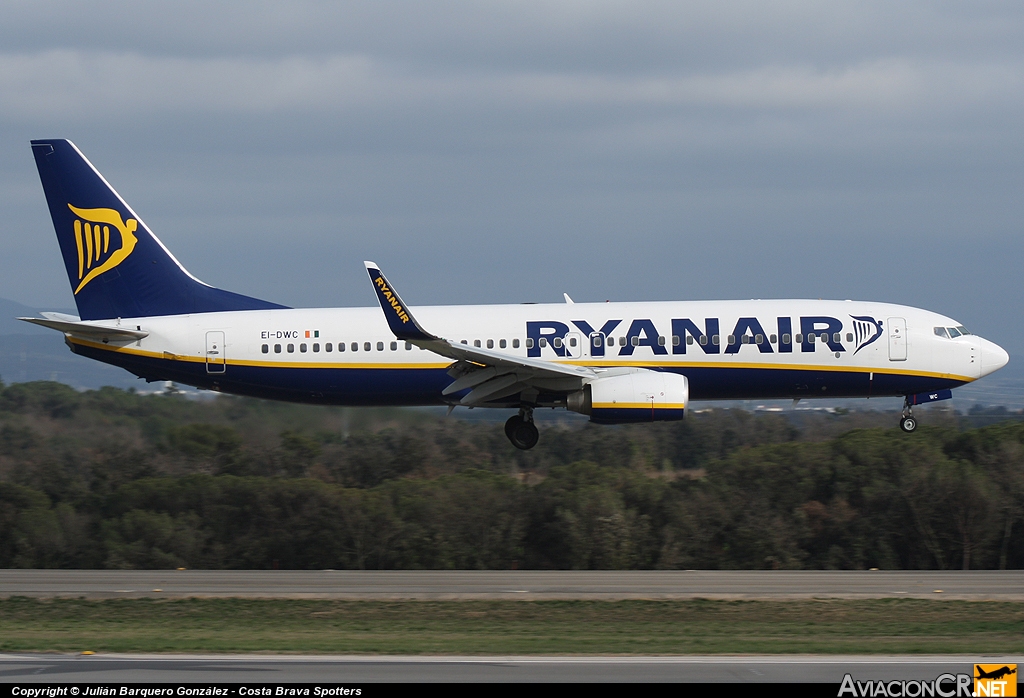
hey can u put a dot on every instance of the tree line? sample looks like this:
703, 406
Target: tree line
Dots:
114, 479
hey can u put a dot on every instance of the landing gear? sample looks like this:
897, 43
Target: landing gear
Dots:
521, 430
907, 421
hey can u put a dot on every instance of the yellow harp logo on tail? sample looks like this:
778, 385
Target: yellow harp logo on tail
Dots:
92, 238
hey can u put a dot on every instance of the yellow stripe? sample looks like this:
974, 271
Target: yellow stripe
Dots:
780, 367
236, 362
88, 245
78, 242
638, 364
637, 406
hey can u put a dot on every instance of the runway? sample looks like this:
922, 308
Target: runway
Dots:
527, 585
264, 670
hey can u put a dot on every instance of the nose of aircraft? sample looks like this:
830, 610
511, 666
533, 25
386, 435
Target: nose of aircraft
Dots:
993, 357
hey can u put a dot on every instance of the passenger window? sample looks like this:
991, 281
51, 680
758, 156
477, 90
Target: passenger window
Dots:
849, 336
476, 343
596, 340
330, 347
543, 342
464, 341
703, 340
634, 340
689, 339
811, 338
291, 348
490, 343
556, 342
622, 341
745, 339
265, 349
732, 339
824, 336
354, 346
366, 346
787, 339
661, 341
675, 340
799, 338
277, 348
302, 348
394, 346
502, 344
572, 341
837, 337
316, 348
515, 343
529, 342
408, 346
714, 339
380, 346
773, 339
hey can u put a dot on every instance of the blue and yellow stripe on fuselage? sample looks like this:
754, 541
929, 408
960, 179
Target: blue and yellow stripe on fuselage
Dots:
388, 384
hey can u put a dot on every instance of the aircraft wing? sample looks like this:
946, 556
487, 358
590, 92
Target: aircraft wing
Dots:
68, 324
491, 374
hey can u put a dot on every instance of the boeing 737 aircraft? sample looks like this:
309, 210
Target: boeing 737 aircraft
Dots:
138, 308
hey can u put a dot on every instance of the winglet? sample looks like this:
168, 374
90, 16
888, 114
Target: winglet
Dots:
400, 320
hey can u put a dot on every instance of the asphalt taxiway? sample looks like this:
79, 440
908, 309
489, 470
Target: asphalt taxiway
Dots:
1007, 585
264, 670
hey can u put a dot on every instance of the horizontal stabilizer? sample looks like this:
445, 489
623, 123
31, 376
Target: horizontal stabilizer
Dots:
87, 330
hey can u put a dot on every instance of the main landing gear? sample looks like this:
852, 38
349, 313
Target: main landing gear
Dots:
521, 430
907, 421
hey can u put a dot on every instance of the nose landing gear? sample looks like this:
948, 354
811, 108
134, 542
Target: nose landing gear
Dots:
521, 430
907, 421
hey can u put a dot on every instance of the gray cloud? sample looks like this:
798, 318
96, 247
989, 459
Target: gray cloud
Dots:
511, 151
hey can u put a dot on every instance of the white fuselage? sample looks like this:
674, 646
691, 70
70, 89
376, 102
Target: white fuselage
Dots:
727, 349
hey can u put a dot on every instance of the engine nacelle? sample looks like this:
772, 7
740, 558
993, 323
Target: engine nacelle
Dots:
638, 396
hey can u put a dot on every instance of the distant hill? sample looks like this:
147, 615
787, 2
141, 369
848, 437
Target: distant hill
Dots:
9, 324
32, 353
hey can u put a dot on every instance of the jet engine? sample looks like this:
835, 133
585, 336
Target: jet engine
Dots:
638, 395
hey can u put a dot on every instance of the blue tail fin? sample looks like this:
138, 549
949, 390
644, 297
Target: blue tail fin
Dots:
116, 266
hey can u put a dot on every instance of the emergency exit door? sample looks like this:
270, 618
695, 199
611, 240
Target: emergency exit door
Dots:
897, 339
216, 361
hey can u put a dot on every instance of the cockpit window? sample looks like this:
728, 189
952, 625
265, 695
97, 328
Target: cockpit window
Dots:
940, 332
962, 330
953, 332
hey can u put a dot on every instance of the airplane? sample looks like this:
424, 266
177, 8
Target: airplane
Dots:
138, 308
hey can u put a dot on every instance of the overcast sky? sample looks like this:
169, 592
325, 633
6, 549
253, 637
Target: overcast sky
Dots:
504, 152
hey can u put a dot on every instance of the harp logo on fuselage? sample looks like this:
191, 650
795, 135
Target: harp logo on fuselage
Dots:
103, 240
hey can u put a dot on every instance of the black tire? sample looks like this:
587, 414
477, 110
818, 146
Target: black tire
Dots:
908, 424
510, 425
523, 435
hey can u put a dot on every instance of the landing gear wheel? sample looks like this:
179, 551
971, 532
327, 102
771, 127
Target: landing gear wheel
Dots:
510, 425
908, 424
521, 433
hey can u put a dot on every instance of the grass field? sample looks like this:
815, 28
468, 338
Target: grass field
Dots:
512, 627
